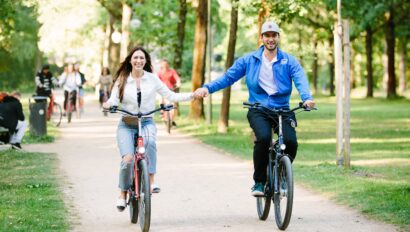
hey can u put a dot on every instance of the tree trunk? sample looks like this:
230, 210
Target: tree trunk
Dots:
369, 61
402, 65
331, 67
196, 110
107, 43
352, 67
390, 43
179, 46
300, 46
125, 31
262, 15
315, 65
223, 123
114, 50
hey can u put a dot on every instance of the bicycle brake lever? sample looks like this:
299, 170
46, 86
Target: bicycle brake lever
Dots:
113, 109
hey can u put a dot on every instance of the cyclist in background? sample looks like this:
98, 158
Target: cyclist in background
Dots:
70, 81
269, 74
80, 88
171, 79
105, 82
45, 82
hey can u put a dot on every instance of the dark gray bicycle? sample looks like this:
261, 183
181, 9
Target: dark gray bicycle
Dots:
279, 185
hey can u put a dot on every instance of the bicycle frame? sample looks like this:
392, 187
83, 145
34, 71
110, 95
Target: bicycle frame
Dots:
138, 156
139, 140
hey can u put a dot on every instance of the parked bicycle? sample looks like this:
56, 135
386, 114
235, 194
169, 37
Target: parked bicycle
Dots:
279, 185
139, 194
54, 112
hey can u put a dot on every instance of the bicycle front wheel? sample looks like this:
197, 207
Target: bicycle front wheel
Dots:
144, 201
283, 199
56, 114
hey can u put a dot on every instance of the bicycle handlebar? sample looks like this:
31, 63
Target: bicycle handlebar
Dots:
115, 109
257, 105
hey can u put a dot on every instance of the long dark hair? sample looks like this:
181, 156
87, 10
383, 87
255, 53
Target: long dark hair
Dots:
126, 68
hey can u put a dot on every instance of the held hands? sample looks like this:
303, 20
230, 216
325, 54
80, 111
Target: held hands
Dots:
200, 93
106, 105
309, 103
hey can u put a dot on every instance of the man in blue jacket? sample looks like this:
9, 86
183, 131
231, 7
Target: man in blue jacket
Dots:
269, 74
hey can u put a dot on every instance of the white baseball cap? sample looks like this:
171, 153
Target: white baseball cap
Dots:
270, 26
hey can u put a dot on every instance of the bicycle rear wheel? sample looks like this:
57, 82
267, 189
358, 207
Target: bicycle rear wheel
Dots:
263, 203
69, 109
168, 122
263, 206
284, 198
144, 201
56, 114
133, 204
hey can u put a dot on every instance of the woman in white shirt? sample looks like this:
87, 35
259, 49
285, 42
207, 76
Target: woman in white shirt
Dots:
135, 74
70, 81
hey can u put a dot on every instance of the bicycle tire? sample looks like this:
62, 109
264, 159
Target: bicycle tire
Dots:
283, 200
263, 203
133, 204
144, 201
168, 122
69, 110
56, 114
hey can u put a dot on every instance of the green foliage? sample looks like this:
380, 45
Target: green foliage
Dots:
158, 30
18, 44
30, 198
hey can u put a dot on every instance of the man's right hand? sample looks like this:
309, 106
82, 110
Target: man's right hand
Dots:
201, 92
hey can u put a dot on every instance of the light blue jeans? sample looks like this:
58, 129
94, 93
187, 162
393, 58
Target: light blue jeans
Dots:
125, 141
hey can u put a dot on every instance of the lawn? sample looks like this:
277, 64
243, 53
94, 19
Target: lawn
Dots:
30, 195
378, 183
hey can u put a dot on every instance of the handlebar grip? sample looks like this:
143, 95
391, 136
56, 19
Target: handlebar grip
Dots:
113, 109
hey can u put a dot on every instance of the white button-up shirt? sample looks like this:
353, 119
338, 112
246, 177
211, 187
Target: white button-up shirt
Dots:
70, 81
266, 80
150, 85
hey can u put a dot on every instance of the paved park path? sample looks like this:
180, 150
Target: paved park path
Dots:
202, 189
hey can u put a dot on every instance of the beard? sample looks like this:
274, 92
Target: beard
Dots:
271, 48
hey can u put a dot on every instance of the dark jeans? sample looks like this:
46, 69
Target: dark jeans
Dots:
262, 125
73, 99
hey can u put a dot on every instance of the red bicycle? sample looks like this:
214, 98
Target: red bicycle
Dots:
139, 200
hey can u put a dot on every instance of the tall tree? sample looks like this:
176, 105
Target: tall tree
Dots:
196, 110
223, 123
369, 61
125, 29
390, 47
179, 45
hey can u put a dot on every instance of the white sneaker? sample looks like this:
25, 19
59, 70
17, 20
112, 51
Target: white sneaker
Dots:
121, 204
155, 188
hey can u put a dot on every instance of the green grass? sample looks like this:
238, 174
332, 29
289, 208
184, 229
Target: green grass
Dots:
378, 184
30, 198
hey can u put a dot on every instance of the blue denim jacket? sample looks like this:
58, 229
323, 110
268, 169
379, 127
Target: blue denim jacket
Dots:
285, 69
